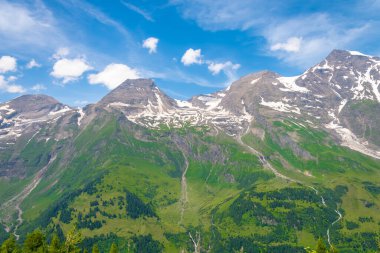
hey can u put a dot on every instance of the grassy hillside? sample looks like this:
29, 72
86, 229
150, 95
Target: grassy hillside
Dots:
119, 182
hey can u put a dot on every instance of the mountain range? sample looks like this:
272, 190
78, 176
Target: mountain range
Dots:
270, 163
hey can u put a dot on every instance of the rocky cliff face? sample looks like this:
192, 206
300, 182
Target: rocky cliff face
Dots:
26, 118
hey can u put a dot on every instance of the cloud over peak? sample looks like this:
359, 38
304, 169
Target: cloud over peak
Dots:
292, 44
113, 75
216, 67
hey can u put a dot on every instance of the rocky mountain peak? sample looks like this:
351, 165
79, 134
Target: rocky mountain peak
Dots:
34, 103
346, 75
136, 95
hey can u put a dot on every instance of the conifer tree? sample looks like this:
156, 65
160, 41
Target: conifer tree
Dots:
73, 239
9, 245
35, 242
114, 248
55, 244
95, 248
321, 247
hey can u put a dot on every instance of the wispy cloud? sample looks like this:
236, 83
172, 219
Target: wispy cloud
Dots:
96, 14
34, 26
297, 37
138, 10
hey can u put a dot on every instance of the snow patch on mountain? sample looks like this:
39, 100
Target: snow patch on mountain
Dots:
357, 53
280, 106
290, 84
341, 105
60, 111
81, 116
255, 80
350, 140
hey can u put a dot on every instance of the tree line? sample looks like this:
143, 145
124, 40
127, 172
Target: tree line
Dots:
36, 242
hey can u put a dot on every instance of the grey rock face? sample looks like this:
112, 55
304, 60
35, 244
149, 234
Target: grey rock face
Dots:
137, 94
35, 104
26, 118
324, 95
28, 112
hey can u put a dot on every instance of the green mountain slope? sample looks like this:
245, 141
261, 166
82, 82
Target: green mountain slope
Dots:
118, 181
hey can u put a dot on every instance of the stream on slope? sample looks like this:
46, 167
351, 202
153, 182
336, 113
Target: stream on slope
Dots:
14, 203
265, 163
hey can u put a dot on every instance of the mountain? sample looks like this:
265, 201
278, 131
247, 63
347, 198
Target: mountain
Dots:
270, 163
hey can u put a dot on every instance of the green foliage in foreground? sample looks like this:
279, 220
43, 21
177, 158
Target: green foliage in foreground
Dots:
36, 242
72, 243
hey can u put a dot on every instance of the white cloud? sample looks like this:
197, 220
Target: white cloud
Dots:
70, 69
113, 75
228, 68
33, 64
151, 44
7, 63
38, 87
9, 87
215, 67
61, 53
293, 44
192, 56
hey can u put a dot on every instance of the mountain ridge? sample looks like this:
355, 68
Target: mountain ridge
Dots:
318, 96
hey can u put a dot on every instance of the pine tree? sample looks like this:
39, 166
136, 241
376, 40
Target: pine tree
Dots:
114, 248
95, 249
73, 239
55, 244
35, 242
321, 247
9, 245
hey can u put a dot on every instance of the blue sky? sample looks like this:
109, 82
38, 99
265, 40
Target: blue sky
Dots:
76, 50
